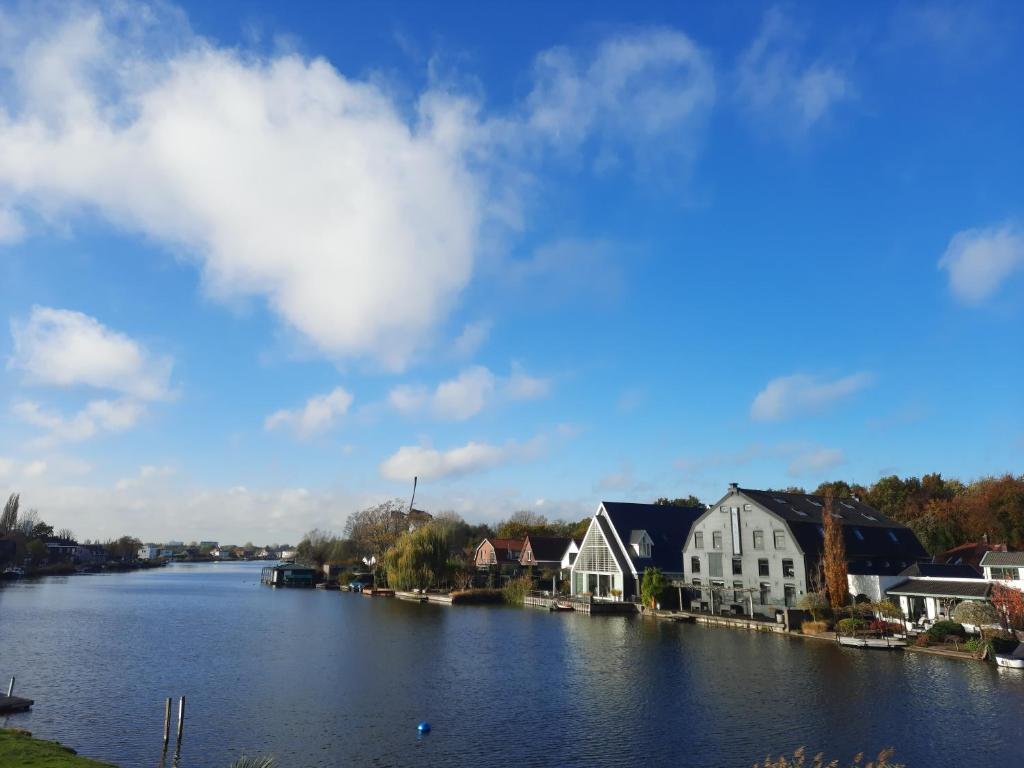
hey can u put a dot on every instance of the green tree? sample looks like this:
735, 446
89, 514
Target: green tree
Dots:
686, 501
814, 602
419, 559
977, 613
9, 518
652, 585
839, 489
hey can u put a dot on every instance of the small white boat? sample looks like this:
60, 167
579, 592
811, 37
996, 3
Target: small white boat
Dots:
1013, 660
883, 643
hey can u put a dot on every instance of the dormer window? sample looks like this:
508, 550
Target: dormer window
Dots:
640, 542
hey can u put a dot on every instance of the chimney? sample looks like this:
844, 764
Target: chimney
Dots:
734, 488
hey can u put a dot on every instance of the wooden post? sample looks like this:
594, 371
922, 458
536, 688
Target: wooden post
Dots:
10, 688
167, 721
181, 718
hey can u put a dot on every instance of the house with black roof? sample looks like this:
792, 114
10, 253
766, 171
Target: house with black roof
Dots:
1007, 567
623, 540
755, 552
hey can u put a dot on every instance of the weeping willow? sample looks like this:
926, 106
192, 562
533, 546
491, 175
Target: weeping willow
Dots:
419, 559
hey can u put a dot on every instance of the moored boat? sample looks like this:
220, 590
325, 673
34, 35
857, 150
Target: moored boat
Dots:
882, 643
1013, 660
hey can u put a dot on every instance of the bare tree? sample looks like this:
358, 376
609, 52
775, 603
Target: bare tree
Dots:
66, 534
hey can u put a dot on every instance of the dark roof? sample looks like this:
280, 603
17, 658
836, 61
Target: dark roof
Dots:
879, 566
969, 553
974, 588
548, 548
867, 533
1003, 558
667, 526
942, 570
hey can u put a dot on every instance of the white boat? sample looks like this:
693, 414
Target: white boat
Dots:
1013, 660
872, 642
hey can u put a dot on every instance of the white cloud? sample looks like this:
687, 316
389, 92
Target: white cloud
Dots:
465, 395
428, 463
11, 228
319, 414
473, 336
979, 261
62, 348
773, 81
800, 394
816, 461
34, 469
96, 417
652, 88
470, 392
146, 473
6, 467
357, 218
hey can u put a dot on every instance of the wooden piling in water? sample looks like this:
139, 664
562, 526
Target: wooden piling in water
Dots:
10, 688
181, 718
167, 721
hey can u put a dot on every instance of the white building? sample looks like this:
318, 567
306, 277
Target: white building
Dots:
148, 552
569, 557
1006, 567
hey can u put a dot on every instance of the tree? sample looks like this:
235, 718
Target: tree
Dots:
375, 529
66, 534
524, 523
834, 556
1009, 602
9, 518
688, 501
652, 585
26, 522
977, 613
813, 602
419, 558
41, 530
838, 489
315, 548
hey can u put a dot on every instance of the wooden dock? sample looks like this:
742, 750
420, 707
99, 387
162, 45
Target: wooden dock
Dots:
10, 704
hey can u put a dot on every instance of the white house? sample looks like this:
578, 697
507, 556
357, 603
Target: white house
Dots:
755, 552
148, 552
1006, 567
569, 556
932, 598
623, 540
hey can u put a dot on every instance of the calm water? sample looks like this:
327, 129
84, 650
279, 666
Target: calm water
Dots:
333, 679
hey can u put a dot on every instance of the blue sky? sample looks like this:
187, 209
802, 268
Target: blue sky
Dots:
261, 264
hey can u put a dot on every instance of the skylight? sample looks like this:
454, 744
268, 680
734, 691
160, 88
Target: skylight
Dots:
781, 501
892, 535
800, 512
858, 534
815, 503
870, 517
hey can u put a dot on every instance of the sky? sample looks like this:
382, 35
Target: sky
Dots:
261, 264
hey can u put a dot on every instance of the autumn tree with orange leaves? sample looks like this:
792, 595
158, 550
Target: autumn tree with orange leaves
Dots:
1010, 604
834, 556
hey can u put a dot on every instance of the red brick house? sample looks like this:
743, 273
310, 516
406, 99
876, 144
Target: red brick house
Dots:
498, 554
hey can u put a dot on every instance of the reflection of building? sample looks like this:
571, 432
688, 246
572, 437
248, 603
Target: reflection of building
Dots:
623, 540
759, 551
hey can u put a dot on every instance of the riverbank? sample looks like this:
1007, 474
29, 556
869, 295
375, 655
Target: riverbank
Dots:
18, 749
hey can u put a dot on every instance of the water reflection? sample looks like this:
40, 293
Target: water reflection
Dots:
327, 679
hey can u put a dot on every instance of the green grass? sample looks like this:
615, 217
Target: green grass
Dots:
20, 750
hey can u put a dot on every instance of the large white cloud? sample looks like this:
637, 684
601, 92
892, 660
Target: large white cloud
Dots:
802, 394
467, 394
979, 261
356, 217
97, 417
63, 348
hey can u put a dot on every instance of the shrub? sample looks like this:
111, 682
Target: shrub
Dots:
922, 640
942, 629
850, 626
800, 759
975, 644
515, 591
977, 613
879, 625
814, 627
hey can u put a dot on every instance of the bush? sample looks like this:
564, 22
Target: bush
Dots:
878, 625
814, 627
940, 630
850, 626
975, 644
800, 759
922, 640
515, 591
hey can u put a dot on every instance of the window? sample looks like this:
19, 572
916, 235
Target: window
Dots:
1004, 574
790, 594
858, 534
780, 539
716, 540
696, 583
766, 593
788, 571
737, 591
758, 539
715, 564
870, 517
737, 566
762, 567
747, 507
698, 540
695, 564
892, 535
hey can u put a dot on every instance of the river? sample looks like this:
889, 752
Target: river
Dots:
335, 679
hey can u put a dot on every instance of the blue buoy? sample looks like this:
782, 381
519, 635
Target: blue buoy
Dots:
423, 727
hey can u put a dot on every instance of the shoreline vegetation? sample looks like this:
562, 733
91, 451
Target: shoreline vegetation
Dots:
20, 748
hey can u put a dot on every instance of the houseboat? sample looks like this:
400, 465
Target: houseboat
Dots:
287, 575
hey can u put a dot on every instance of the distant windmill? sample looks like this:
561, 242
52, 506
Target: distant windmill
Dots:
413, 495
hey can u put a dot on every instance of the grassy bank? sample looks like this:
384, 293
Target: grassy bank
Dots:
19, 750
